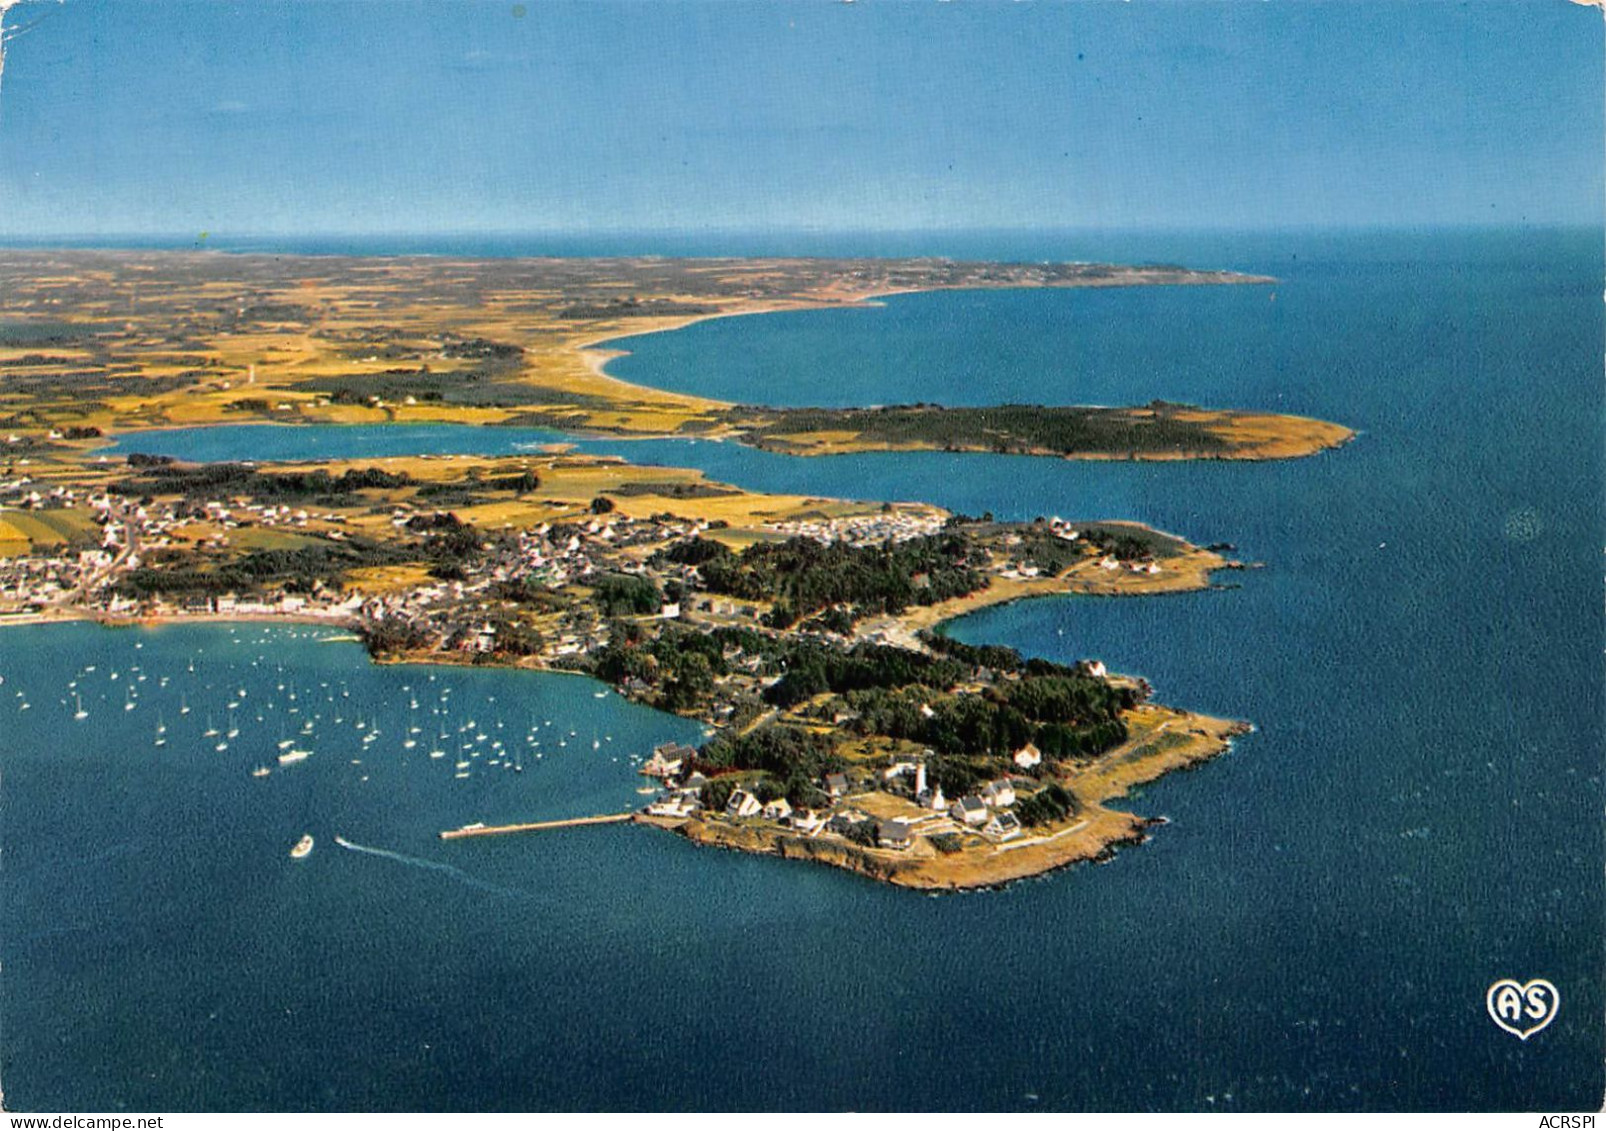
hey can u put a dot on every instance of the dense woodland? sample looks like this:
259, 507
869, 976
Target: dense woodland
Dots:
211, 481
1064, 430
802, 577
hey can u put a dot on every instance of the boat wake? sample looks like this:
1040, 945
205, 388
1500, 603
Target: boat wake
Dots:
432, 865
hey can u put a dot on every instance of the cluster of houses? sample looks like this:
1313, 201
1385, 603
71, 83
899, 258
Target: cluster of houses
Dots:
551, 554
987, 812
39, 581
555, 554
899, 524
1112, 563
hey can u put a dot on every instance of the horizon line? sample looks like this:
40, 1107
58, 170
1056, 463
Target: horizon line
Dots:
208, 236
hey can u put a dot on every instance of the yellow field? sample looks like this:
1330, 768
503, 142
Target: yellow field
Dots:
23, 532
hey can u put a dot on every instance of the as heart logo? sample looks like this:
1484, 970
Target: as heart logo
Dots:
1522, 1010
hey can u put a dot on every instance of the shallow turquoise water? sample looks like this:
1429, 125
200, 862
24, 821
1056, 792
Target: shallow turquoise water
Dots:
1416, 815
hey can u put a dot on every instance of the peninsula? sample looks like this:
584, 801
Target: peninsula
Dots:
119, 341
806, 632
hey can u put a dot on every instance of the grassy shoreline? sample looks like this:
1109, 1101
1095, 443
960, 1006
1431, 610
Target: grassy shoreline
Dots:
516, 342
1092, 834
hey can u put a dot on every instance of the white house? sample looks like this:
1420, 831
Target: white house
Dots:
778, 810
1028, 756
999, 793
893, 834
806, 820
742, 804
1003, 826
969, 811
682, 806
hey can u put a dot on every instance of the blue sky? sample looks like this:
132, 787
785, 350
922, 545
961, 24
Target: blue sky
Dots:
267, 116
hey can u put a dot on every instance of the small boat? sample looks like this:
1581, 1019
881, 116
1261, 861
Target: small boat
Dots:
290, 757
80, 714
261, 772
302, 849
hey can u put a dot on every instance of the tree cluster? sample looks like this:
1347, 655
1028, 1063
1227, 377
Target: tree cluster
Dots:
226, 480
801, 576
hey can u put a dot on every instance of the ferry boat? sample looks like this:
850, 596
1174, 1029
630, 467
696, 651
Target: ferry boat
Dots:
302, 849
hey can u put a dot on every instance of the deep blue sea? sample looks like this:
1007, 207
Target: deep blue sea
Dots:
1416, 815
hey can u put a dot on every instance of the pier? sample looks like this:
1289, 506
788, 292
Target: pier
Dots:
535, 826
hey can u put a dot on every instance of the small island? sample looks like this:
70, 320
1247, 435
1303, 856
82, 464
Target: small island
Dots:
806, 633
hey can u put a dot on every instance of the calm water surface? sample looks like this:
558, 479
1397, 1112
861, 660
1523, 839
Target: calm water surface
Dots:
1416, 815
